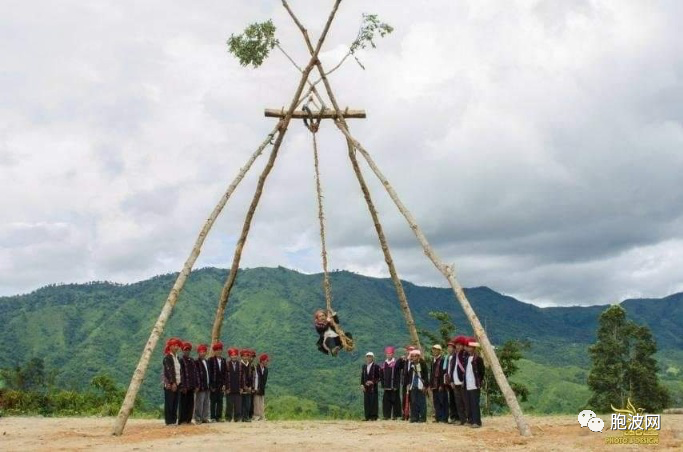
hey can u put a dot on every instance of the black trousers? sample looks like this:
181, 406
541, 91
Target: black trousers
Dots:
440, 399
418, 406
216, 404
462, 404
475, 412
233, 408
246, 406
391, 404
370, 404
170, 406
452, 407
405, 403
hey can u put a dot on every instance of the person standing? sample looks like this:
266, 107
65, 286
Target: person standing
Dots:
404, 363
234, 385
171, 379
457, 373
390, 373
188, 386
217, 367
438, 385
247, 385
260, 381
369, 379
202, 402
418, 377
448, 372
474, 373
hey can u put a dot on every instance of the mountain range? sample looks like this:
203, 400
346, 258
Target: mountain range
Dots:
86, 329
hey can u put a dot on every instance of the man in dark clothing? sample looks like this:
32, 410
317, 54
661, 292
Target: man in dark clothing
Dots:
390, 372
474, 374
188, 386
217, 367
260, 381
457, 373
202, 402
171, 379
418, 378
438, 385
404, 363
248, 385
234, 384
369, 378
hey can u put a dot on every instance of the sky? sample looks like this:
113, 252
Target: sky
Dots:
538, 143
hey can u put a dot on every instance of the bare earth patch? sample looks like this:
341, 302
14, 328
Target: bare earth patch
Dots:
550, 433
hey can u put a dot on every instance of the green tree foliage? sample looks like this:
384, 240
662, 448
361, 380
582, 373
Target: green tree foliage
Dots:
445, 331
623, 365
370, 26
254, 45
508, 355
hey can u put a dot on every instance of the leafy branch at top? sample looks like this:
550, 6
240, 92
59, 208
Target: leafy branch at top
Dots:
254, 45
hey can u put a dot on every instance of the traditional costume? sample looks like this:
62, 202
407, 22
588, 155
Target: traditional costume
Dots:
171, 379
217, 366
201, 401
390, 372
474, 374
404, 363
260, 381
457, 373
234, 384
248, 386
418, 378
369, 379
187, 387
438, 385
329, 341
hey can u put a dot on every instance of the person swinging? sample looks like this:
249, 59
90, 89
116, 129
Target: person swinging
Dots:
329, 342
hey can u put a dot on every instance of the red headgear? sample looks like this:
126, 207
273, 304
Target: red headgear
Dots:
217, 346
233, 352
245, 352
462, 340
202, 348
263, 358
187, 346
174, 341
389, 349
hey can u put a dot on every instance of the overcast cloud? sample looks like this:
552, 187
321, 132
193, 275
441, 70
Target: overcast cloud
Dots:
538, 143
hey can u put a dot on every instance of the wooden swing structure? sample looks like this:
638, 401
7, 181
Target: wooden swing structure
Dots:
312, 119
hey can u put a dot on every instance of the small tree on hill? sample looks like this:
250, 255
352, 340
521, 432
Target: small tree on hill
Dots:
444, 333
623, 365
508, 354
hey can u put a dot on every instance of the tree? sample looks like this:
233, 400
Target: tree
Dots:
508, 355
623, 365
445, 331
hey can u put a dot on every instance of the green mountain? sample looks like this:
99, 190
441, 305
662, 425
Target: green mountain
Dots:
86, 329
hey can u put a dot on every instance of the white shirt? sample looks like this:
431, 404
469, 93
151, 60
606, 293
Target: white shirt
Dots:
207, 372
470, 382
368, 367
455, 378
420, 385
176, 365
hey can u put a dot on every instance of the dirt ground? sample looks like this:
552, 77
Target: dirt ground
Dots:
549, 433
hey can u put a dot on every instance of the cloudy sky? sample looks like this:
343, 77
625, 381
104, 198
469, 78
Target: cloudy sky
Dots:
538, 143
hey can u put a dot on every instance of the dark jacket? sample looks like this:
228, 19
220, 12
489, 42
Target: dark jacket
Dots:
321, 328
262, 380
234, 378
216, 373
391, 375
423, 374
437, 380
168, 376
370, 380
248, 377
459, 364
188, 372
478, 369
202, 374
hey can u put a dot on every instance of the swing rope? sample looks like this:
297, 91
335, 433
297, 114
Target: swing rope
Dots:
347, 343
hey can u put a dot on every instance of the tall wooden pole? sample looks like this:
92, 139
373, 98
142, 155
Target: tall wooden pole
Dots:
157, 330
446, 270
232, 276
403, 300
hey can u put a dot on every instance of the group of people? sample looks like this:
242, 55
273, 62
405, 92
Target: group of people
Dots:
454, 380
194, 389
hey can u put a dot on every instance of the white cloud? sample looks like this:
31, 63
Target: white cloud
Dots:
537, 142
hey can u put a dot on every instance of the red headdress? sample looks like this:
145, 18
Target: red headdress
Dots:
217, 346
187, 346
202, 348
233, 352
263, 358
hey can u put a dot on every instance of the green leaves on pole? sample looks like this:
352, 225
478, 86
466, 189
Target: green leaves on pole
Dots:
254, 45
366, 35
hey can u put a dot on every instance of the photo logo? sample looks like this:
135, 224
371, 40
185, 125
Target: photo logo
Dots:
585, 416
596, 424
